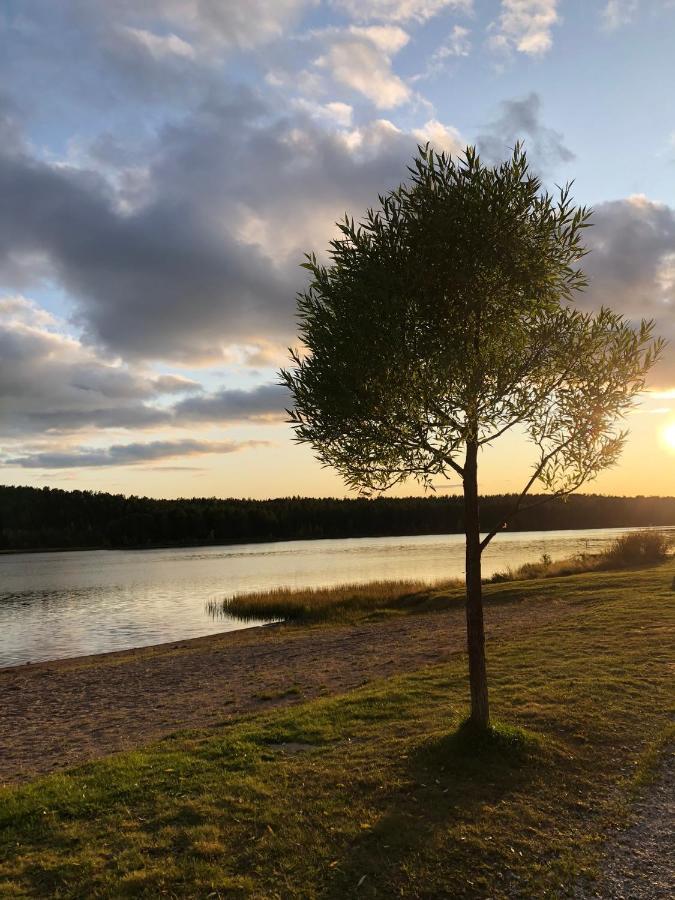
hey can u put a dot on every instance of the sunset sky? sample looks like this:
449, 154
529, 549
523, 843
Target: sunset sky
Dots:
164, 165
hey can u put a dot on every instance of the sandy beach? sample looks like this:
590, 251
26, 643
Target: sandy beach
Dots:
57, 714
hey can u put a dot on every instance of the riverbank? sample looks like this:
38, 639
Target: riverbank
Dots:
362, 782
60, 713
106, 703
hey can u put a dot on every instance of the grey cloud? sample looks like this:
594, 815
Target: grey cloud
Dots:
52, 382
156, 50
176, 384
234, 198
125, 454
630, 244
521, 120
631, 267
265, 402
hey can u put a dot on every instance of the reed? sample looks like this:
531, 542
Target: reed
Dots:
321, 604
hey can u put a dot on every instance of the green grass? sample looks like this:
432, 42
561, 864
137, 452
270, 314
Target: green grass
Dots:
382, 792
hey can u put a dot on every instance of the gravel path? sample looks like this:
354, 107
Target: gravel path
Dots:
640, 861
54, 715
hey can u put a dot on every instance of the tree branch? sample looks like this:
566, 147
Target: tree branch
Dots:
518, 504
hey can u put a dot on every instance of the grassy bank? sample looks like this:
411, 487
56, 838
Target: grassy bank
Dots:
379, 793
349, 602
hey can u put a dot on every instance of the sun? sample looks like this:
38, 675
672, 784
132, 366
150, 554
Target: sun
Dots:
668, 435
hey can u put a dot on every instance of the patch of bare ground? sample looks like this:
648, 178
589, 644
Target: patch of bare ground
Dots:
58, 714
640, 860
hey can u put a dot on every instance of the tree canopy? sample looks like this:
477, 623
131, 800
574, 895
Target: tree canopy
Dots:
446, 318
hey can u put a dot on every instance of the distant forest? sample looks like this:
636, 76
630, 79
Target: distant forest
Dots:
48, 518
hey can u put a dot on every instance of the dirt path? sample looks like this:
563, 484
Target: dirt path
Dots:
640, 862
54, 715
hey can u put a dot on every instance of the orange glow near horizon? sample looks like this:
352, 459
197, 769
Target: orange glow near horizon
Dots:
280, 467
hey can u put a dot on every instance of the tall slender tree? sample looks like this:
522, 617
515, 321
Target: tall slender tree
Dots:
445, 319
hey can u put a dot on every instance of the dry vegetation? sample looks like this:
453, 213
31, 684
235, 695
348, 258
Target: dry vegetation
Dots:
346, 602
335, 603
637, 548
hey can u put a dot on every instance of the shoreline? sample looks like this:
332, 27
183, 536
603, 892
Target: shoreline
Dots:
290, 540
105, 703
132, 652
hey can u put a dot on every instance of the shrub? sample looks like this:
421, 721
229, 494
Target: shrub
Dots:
638, 548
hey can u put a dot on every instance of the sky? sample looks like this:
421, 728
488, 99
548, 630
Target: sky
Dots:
165, 165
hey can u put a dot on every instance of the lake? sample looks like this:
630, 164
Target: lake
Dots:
55, 605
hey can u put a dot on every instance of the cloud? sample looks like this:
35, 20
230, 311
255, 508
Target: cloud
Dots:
208, 24
207, 255
160, 46
441, 137
399, 10
334, 113
525, 26
117, 57
631, 268
619, 12
455, 46
126, 454
264, 403
50, 380
521, 120
360, 59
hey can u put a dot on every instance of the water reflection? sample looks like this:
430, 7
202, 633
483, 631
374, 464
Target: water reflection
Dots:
54, 605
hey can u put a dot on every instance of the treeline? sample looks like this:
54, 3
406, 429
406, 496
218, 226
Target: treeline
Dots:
48, 518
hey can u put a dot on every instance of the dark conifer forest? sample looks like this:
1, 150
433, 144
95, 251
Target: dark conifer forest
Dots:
49, 518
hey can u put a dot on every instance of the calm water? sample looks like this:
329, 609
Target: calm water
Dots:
54, 605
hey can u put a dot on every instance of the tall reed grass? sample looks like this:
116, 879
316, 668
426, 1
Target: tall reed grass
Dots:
347, 601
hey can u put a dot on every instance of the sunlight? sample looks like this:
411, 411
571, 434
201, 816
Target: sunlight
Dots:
668, 436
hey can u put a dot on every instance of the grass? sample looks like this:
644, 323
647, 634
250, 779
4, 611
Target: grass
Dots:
377, 599
341, 602
637, 548
382, 792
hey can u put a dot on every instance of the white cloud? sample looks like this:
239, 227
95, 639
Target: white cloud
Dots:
161, 45
399, 10
458, 44
360, 59
443, 138
387, 38
226, 23
335, 113
455, 46
619, 12
340, 112
525, 25
369, 140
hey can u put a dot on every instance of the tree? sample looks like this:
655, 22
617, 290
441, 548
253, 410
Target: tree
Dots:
444, 320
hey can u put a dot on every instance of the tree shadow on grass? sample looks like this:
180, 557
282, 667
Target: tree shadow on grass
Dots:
424, 844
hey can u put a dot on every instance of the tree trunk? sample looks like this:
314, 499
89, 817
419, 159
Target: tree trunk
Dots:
475, 633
